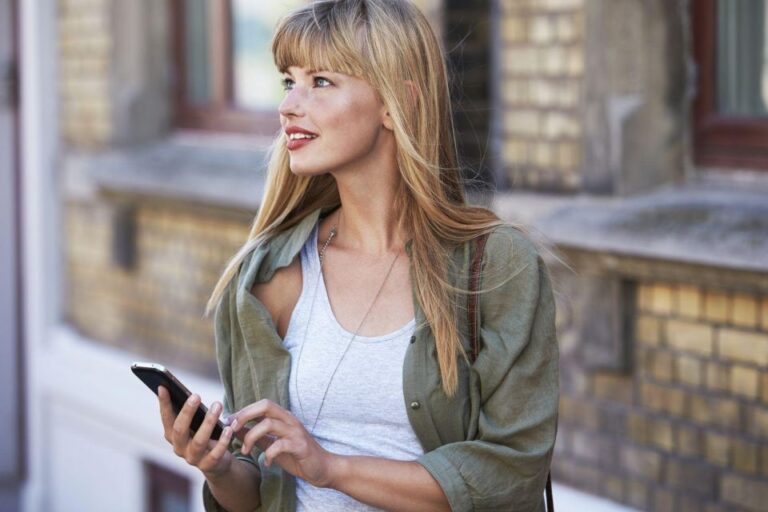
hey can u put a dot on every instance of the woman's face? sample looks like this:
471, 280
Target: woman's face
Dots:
348, 120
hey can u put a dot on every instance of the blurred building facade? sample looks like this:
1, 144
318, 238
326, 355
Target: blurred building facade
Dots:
630, 135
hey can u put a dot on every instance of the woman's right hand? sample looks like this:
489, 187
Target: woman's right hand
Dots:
209, 456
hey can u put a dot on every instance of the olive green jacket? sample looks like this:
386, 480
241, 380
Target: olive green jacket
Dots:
489, 447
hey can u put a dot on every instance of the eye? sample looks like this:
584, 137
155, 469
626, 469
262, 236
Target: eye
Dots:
322, 79
287, 83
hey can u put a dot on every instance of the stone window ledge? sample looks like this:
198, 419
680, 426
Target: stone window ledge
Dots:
211, 169
691, 232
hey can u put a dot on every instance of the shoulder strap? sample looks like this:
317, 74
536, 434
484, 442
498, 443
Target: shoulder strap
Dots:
474, 284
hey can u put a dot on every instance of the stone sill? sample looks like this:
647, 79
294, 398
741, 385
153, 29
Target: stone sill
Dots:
690, 232
219, 170
702, 224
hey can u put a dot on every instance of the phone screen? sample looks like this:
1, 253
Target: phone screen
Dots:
155, 375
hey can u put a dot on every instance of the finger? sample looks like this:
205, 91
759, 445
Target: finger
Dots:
199, 442
278, 447
183, 421
266, 427
258, 410
167, 415
218, 451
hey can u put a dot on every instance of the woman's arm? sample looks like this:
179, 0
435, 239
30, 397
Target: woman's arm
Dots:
384, 483
387, 484
238, 488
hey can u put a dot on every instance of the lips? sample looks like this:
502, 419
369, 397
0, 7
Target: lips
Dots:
297, 143
293, 144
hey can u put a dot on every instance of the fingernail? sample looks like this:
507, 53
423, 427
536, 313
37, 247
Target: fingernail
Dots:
226, 419
192, 400
216, 408
235, 424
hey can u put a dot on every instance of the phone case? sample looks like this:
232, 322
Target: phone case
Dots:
154, 375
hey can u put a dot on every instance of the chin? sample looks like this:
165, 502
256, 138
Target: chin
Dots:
307, 170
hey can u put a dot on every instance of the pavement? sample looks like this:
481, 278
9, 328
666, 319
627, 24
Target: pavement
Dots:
568, 499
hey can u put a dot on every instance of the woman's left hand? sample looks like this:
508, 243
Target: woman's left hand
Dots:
293, 448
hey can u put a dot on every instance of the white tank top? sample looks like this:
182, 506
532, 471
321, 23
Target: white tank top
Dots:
364, 410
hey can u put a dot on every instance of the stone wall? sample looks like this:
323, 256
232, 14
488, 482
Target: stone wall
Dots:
541, 73
154, 307
85, 85
686, 428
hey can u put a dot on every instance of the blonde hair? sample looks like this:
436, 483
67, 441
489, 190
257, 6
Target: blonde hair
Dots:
387, 43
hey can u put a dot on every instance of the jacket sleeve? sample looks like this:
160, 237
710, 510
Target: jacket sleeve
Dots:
505, 467
223, 324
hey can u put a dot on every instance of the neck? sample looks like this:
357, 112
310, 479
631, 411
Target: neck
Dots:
366, 221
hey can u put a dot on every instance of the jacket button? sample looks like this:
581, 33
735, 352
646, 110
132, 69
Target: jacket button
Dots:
413, 339
415, 405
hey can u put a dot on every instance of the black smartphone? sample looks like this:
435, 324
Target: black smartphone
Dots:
154, 375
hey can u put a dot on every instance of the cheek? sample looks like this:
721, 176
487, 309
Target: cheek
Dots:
351, 121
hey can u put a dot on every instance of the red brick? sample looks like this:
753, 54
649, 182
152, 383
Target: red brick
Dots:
689, 441
641, 462
745, 455
662, 434
647, 330
744, 381
743, 346
745, 310
689, 300
717, 306
757, 421
718, 448
664, 500
615, 387
638, 494
688, 370
661, 299
746, 492
690, 337
691, 476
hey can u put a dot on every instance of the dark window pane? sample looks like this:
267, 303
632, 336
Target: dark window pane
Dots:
167, 491
742, 57
196, 51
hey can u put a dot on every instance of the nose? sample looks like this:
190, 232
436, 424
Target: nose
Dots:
291, 104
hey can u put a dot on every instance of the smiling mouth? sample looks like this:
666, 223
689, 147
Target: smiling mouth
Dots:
300, 142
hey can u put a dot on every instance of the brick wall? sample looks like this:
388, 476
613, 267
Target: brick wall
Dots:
687, 429
85, 47
154, 308
542, 65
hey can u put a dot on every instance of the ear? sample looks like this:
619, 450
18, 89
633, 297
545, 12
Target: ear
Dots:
414, 94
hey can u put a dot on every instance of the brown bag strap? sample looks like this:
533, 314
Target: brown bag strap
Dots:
474, 285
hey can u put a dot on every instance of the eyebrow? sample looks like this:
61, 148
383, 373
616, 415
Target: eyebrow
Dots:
312, 71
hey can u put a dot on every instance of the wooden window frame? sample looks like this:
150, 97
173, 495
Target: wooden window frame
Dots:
222, 114
160, 479
719, 140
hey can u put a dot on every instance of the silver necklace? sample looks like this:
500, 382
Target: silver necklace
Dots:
349, 344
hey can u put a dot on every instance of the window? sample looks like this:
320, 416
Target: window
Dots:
731, 107
166, 491
225, 77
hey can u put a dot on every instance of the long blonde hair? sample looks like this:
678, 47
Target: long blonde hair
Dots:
387, 43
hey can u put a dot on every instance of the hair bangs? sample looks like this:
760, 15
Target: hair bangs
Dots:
318, 37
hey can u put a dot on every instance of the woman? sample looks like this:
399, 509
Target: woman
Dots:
341, 325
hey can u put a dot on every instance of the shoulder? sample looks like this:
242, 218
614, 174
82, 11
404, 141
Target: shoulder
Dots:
511, 248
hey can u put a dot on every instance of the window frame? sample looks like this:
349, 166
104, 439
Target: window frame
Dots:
159, 480
720, 140
222, 114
